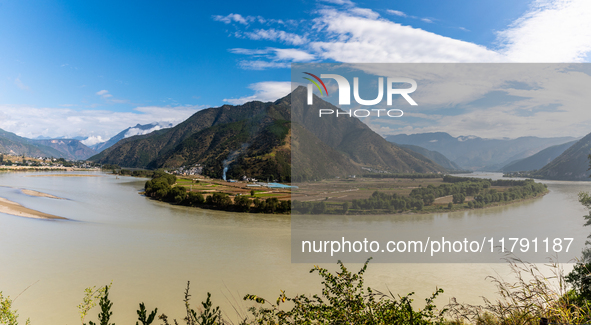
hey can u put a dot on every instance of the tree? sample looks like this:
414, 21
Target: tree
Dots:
459, 198
252, 193
177, 194
194, 199
242, 202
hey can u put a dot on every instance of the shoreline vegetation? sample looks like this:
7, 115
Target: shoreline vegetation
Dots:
453, 193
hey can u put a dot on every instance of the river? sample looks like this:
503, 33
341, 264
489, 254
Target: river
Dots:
150, 249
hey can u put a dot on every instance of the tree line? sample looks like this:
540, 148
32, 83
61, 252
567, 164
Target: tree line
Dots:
458, 187
161, 188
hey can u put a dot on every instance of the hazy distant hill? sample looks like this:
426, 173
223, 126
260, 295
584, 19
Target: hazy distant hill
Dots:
256, 139
538, 160
68, 148
572, 164
476, 153
435, 156
11, 143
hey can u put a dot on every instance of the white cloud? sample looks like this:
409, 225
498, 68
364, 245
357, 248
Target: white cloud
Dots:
276, 35
360, 39
92, 140
233, 18
551, 31
31, 122
104, 94
261, 65
272, 57
396, 13
266, 91
293, 55
340, 2
363, 12
137, 131
277, 54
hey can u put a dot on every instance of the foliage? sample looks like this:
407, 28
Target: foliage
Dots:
344, 300
8, 316
106, 305
160, 188
458, 187
142, 312
91, 295
209, 315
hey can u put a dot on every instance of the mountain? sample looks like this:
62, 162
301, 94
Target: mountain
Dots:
572, 164
68, 148
435, 156
261, 139
59, 148
139, 129
11, 143
538, 160
353, 138
474, 153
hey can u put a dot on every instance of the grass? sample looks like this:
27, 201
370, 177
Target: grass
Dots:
268, 194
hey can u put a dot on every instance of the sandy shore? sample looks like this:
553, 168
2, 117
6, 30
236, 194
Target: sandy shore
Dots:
40, 194
15, 209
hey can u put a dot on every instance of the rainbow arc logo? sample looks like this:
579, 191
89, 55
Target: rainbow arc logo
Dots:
316, 83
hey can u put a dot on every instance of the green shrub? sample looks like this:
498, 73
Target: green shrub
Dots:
344, 300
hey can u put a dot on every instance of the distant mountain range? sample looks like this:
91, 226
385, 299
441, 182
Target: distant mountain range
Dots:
435, 156
572, 164
263, 139
538, 160
131, 131
11, 143
68, 148
479, 154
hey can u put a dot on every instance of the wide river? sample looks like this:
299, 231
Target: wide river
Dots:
149, 250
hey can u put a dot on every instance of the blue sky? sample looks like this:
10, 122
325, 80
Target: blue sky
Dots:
89, 68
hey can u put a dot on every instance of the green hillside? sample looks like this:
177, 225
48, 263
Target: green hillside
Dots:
262, 139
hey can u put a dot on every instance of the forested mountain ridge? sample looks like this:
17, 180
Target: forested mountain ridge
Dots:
259, 139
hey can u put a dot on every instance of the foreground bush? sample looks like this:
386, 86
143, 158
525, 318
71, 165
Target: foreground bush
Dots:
344, 300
